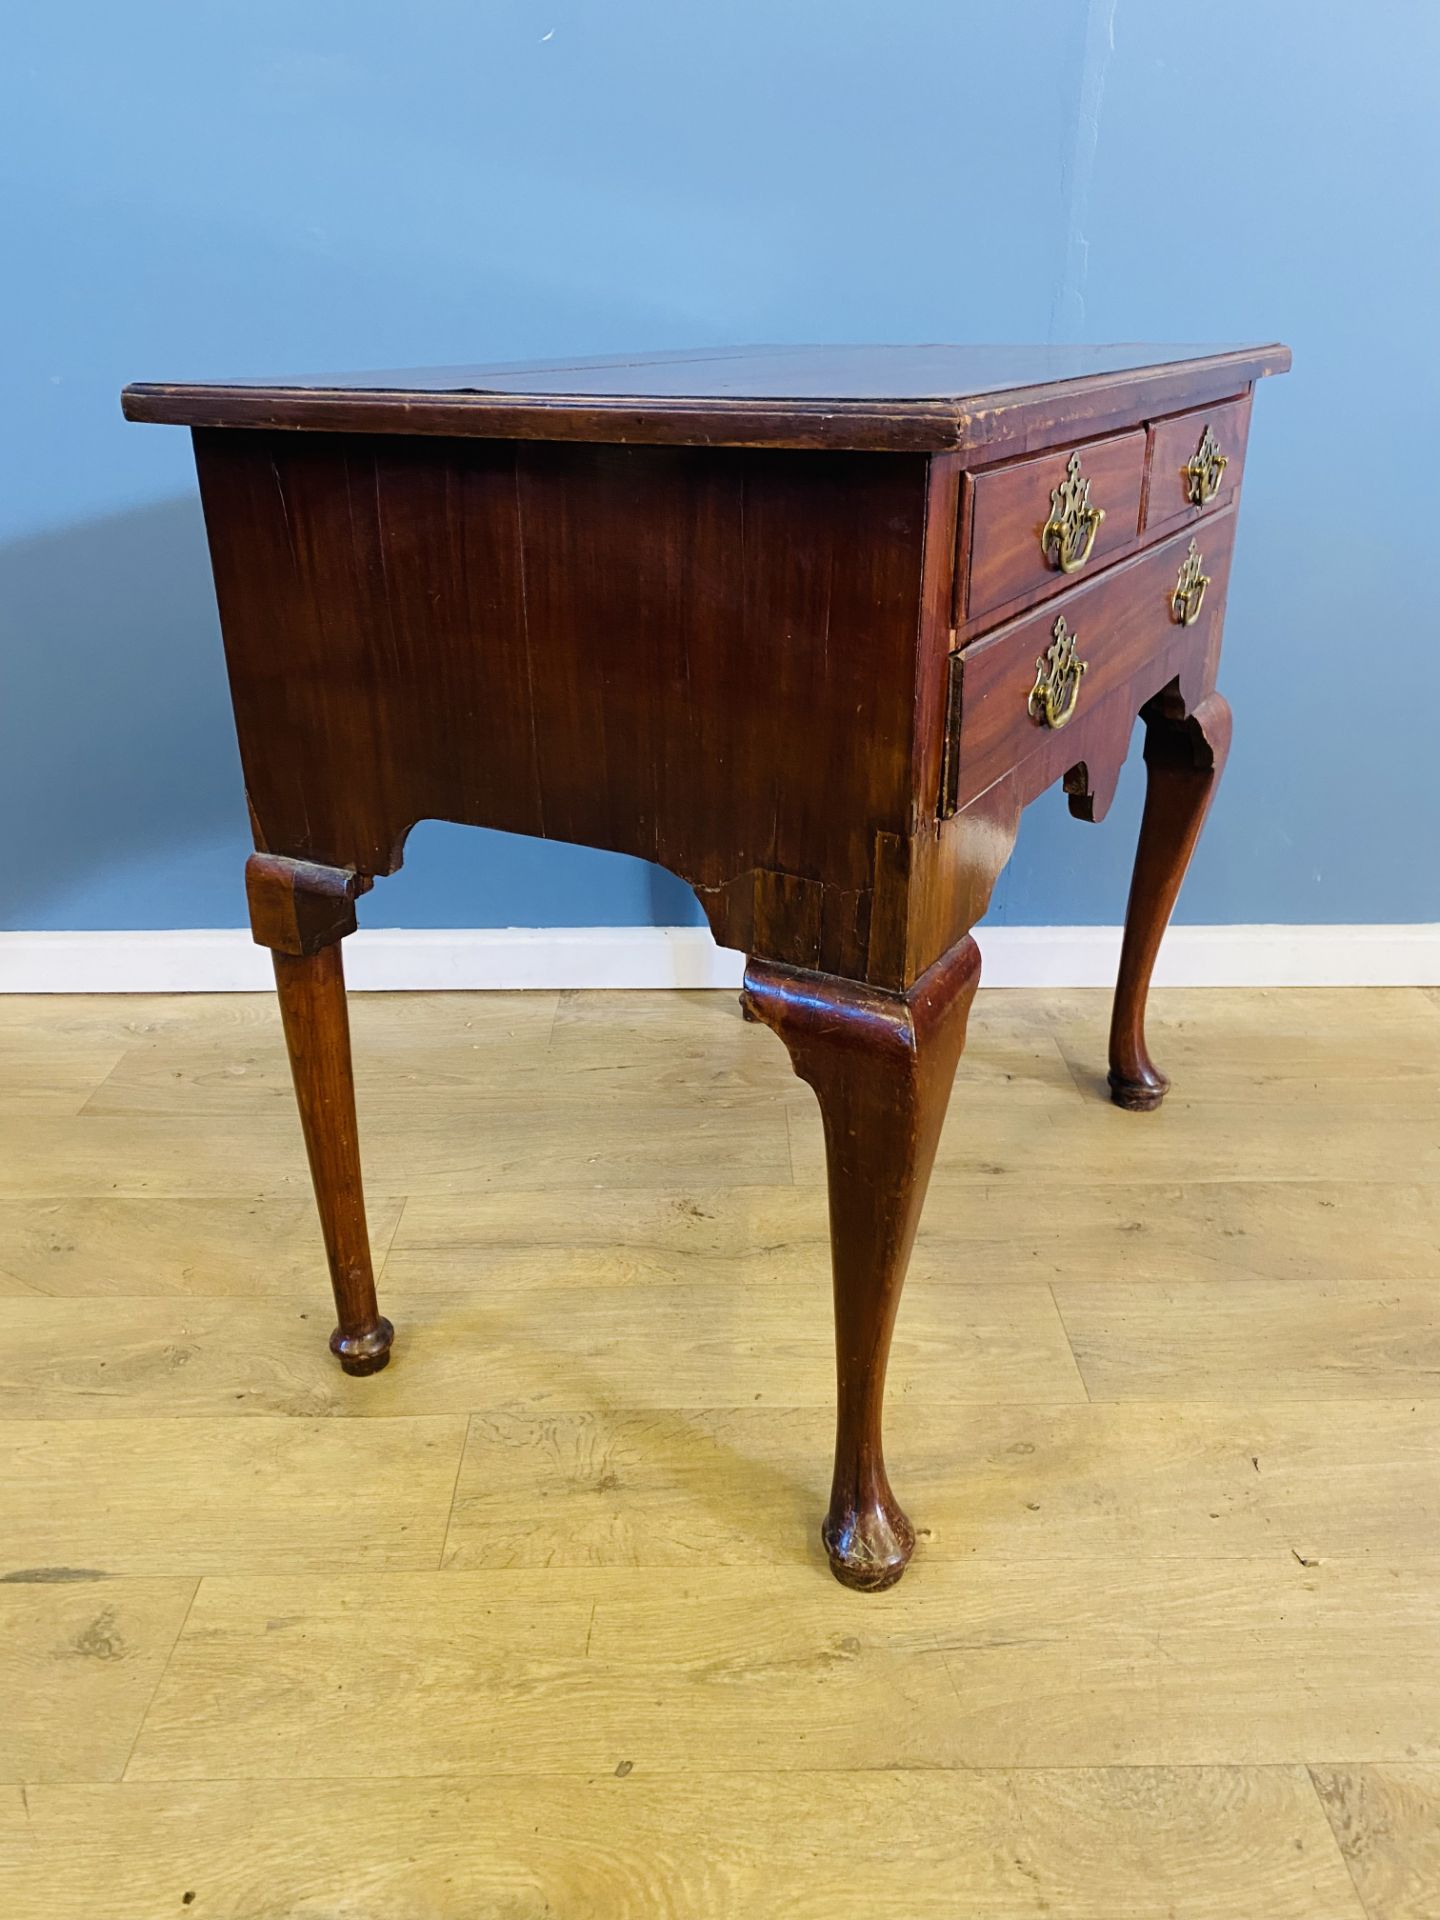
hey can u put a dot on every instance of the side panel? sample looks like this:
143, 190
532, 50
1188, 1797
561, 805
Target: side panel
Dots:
706, 657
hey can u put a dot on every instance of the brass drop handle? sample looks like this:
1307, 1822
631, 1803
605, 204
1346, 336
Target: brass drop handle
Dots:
1058, 671
1189, 592
1068, 535
1205, 471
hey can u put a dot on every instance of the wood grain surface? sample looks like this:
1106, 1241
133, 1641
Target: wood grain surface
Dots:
996, 399
545, 1595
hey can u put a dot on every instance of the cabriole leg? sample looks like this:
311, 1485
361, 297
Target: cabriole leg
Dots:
882, 1065
302, 912
1184, 757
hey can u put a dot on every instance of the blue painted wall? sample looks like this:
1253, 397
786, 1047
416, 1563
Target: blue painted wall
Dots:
252, 186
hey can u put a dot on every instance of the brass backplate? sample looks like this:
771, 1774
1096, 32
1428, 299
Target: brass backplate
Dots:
1058, 673
1205, 470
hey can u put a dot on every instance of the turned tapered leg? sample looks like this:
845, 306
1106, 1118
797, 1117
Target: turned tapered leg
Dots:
1184, 758
882, 1065
302, 912
317, 1032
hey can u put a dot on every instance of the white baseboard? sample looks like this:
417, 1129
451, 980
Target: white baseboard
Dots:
225, 960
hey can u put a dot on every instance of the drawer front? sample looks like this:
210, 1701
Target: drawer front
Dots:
1036, 524
1195, 463
1048, 669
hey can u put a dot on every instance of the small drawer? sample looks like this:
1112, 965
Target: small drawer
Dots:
1195, 463
1037, 523
1033, 677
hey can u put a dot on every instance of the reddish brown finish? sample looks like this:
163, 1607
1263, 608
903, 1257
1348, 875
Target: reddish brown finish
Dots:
618, 646
310, 980
986, 402
297, 907
1011, 504
726, 648
1174, 444
1124, 626
882, 1066
1184, 757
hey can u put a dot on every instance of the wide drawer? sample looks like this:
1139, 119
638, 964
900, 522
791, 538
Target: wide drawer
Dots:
1195, 463
1035, 523
1035, 676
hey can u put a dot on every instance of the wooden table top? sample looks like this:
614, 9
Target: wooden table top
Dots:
913, 398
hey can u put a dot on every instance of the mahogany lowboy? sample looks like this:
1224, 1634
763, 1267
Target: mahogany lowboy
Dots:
808, 626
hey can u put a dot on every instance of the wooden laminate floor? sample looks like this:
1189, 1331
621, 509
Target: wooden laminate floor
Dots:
537, 1622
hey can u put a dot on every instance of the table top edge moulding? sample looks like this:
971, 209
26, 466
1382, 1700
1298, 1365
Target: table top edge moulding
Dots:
676, 606
974, 400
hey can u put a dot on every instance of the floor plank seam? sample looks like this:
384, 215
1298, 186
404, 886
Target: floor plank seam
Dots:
1070, 1345
155, 1693
790, 1119
704, 1769
557, 1000
1325, 1814
390, 1243
454, 1492
1074, 1072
